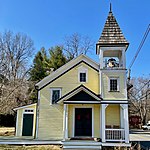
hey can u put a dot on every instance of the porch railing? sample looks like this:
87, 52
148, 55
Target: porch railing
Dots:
115, 134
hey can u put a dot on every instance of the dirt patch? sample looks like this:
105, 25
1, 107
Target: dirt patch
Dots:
34, 147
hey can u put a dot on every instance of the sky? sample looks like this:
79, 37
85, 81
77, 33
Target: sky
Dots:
47, 22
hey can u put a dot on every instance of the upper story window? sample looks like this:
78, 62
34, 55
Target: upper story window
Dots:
113, 84
55, 95
82, 77
82, 74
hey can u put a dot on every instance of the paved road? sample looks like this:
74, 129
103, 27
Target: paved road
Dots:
139, 135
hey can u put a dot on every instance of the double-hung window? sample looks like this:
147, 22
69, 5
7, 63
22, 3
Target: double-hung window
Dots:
55, 94
82, 77
82, 74
113, 84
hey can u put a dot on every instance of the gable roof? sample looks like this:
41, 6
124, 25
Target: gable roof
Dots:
71, 96
112, 34
65, 68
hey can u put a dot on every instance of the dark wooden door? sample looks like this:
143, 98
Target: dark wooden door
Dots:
83, 121
27, 125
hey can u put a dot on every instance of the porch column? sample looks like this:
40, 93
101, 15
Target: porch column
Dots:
103, 107
65, 122
125, 121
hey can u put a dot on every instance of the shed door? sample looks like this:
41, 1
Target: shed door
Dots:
83, 122
27, 125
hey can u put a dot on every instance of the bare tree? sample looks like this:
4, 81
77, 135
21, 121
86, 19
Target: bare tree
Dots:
139, 98
15, 53
76, 44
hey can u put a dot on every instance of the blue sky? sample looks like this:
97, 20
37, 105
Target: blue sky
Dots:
47, 22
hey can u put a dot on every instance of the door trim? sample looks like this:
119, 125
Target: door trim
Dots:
24, 112
73, 124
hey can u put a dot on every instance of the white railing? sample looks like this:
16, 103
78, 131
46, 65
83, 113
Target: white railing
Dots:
117, 65
115, 134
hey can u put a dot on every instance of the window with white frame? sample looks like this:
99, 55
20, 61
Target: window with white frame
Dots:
82, 74
113, 84
28, 111
55, 94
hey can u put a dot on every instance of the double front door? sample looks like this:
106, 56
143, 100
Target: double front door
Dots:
83, 122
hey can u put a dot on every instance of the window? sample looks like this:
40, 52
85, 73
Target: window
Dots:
82, 77
55, 94
82, 74
114, 84
28, 111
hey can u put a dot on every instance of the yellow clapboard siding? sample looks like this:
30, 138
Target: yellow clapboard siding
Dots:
51, 116
121, 95
69, 81
113, 115
50, 120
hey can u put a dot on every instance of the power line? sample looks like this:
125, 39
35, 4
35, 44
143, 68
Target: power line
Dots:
141, 87
140, 46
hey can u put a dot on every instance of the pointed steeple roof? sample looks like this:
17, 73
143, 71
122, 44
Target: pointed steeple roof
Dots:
112, 34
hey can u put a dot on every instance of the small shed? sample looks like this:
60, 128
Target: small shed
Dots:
26, 120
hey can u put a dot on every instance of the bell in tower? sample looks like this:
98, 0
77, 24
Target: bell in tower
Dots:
112, 45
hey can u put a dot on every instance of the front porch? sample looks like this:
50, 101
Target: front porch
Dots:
108, 122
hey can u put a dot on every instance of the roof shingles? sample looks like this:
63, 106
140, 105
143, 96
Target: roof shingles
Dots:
112, 33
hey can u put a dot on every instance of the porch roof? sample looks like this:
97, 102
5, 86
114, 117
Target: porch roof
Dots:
80, 95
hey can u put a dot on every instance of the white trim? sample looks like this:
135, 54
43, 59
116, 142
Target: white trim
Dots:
116, 144
121, 48
22, 107
100, 83
28, 113
100, 124
82, 69
17, 124
51, 93
37, 115
73, 125
65, 123
30, 109
77, 91
82, 102
121, 117
114, 101
125, 85
81, 147
126, 121
73, 122
29, 141
118, 83
114, 70
103, 120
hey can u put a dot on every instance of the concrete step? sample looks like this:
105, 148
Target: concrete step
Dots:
82, 145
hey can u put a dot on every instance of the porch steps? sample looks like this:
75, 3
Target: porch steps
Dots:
75, 144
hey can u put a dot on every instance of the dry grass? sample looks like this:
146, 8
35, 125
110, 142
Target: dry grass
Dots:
5, 131
34, 147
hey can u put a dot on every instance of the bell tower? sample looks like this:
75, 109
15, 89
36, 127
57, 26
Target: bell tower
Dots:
111, 48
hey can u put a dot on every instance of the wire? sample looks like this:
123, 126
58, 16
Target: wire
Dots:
141, 88
140, 46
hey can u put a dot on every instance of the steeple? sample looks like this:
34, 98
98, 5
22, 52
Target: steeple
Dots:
111, 34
